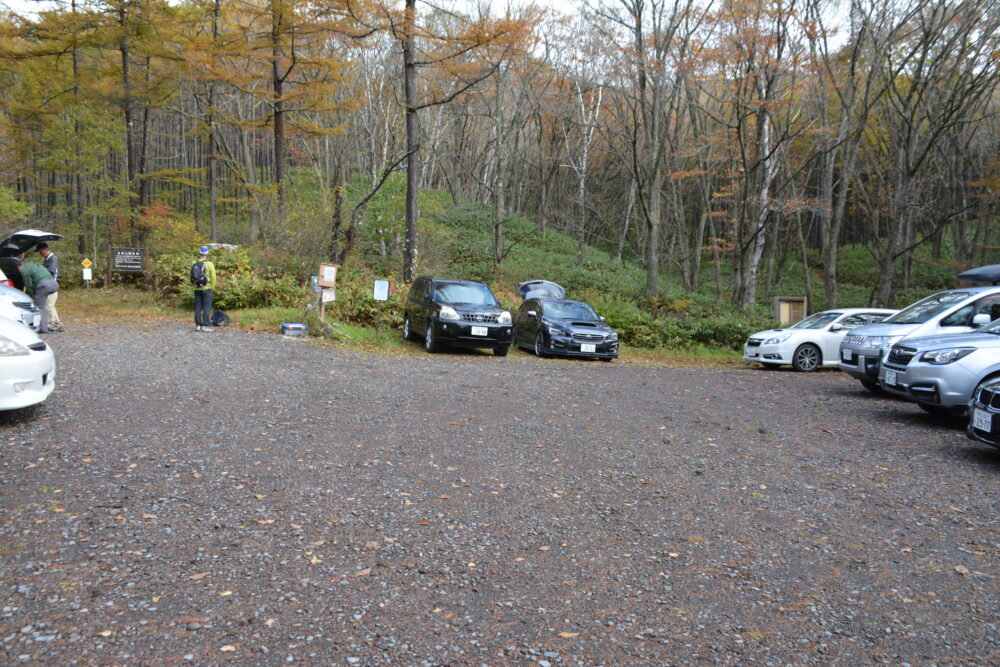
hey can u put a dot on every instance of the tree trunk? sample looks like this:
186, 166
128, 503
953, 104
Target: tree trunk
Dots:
410, 101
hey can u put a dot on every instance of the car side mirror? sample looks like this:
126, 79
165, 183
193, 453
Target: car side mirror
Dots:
602, 318
981, 319
836, 327
532, 314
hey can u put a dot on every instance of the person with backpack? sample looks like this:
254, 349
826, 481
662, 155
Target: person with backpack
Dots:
203, 279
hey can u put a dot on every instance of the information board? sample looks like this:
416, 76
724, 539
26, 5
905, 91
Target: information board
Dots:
128, 260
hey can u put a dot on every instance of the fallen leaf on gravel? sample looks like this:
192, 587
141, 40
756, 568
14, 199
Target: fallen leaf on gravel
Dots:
423, 523
150, 517
697, 539
105, 633
452, 423
544, 548
451, 468
569, 635
265, 522
674, 554
444, 496
448, 616
318, 543
471, 564
373, 545
296, 526
198, 577
226, 593
962, 570
269, 622
362, 573
228, 648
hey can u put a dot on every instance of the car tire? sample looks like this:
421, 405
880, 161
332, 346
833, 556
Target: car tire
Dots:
407, 329
540, 345
770, 367
806, 358
430, 344
872, 386
501, 350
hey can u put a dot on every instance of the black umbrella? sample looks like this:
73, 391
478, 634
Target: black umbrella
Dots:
984, 274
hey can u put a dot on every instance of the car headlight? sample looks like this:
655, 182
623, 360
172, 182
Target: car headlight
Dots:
9, 348
447, 313
504, 318
553, 331
612, 337
946, 356
781, 338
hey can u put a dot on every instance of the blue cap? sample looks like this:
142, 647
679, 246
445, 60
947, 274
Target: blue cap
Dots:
203, 250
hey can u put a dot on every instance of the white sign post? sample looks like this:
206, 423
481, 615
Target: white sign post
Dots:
88, 273
380, 293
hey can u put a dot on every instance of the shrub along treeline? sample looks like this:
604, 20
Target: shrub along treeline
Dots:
455, 243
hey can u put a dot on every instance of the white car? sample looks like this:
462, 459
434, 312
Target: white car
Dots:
27, 367
811, 343
18, 306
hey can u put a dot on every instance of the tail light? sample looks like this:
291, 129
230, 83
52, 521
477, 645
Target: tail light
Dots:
8, 283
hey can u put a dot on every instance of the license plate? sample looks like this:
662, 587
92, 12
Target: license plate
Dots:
479, 331
36, 321
890, 378
588, 347
846, 355
982, 420
751, 353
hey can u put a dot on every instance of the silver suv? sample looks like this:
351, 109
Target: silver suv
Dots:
942, 373
954, 311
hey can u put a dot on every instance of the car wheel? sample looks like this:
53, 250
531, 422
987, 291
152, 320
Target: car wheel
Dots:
430, 344
407, 330
871, 386
540, 344
771, 367
501, 350
806, 358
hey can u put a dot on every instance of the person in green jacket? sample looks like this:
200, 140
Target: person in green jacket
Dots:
38, 284
203, 293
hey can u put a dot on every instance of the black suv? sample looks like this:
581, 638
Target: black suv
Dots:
463, 313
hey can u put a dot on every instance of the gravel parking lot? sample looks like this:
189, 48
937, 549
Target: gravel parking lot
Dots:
243, 497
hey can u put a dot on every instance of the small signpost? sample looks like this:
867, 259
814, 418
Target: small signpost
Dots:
88, 273
380, 293
327, 282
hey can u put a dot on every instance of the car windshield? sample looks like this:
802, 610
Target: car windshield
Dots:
925, 309
569, 310
817, 321
471, 293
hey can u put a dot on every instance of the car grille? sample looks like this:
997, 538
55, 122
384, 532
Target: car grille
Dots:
588, 338
479, 318
855, 339
901, 355
37, 347
26, 305
989, 398
754, 342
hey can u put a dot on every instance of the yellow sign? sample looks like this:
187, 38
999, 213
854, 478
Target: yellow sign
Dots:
86, 263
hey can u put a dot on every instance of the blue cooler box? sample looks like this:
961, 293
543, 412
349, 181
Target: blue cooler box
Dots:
294, 329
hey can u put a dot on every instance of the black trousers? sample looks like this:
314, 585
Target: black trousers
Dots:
203, 307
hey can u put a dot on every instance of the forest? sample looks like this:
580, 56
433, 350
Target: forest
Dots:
707, 144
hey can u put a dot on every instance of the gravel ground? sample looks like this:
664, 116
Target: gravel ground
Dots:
243, 497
